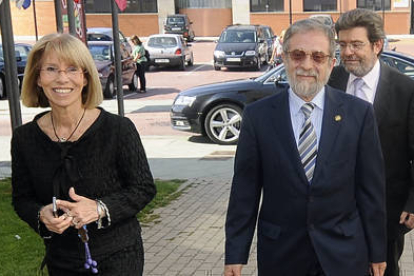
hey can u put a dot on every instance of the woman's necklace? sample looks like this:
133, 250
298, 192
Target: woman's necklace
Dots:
62, 139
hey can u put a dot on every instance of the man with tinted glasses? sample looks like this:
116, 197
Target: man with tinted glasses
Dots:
310, 157
361, 37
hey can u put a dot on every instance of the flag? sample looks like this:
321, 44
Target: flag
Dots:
23, 3
121, 4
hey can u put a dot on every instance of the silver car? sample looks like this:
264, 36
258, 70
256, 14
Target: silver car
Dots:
169, 50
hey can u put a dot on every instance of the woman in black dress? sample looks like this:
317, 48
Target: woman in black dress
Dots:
91, 161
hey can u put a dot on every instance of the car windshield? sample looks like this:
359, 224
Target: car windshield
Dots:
175, 20
160, 42
100, 52
237, 36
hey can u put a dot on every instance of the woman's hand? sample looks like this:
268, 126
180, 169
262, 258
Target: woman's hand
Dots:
57, 225
83, 210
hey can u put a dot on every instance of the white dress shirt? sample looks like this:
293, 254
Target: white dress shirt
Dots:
370, 83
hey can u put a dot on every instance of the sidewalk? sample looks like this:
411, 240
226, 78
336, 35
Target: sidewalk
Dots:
188, 237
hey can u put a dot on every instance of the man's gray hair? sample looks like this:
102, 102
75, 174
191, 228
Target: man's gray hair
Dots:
307, 25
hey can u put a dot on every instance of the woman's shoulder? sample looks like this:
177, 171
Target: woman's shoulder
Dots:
29, 127
114, 119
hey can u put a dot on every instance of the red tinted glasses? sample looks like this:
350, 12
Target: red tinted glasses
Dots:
299, 56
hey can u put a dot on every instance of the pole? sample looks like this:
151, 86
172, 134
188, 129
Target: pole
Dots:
35, 19
290, 12
71, 17
411, 17
58, 15
115, 29
10, 63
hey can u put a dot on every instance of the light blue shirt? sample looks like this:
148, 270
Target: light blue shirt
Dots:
298, 118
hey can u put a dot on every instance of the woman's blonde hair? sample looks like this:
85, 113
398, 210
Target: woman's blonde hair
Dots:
70, 50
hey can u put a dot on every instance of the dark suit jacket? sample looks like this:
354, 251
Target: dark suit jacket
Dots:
341, 215
394, 111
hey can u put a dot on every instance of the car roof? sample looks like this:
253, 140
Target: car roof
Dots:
102, 30
100, 42
177, 15
242, 27
165, 35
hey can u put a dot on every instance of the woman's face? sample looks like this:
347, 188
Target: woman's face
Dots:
62, 83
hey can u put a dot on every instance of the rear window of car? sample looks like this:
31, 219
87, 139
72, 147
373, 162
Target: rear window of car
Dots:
175, 20
99, 37
100, 52
238, 36
162, 42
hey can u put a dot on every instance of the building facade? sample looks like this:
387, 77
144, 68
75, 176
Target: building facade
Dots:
209, 17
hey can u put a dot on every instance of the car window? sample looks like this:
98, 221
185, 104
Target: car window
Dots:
176, 20
267, 33
99, 37
23, 52
162, 42
237, 36
401, 66
100, 52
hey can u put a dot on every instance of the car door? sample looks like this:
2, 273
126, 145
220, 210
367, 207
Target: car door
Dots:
185, 48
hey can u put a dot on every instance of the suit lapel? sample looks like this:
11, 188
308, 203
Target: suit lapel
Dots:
332, 119
283, 128
382, 94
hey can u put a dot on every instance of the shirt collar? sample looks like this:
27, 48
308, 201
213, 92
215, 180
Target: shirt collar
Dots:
297, 102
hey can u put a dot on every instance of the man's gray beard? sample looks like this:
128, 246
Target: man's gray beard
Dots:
305, 89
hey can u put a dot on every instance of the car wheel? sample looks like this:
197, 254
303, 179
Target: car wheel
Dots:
222, 124
2, 88
134, 83
217, 68
182, 65
109, 91
191, 61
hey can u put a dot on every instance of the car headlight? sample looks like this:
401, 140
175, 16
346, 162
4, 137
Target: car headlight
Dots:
250, 53
219, 54
184, 100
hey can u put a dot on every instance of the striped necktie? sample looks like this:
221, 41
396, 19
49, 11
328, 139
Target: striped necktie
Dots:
307, 145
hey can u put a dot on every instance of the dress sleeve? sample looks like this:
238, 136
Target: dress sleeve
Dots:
23, 193
134, 172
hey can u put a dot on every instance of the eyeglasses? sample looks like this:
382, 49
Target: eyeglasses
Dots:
353, 46
299, 56
54, 72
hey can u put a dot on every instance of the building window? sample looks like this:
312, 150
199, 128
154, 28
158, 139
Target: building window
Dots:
374, 4
266, 5
133, 6
203, 4
319, 5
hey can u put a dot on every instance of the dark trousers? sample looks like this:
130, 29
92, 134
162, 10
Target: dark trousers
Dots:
394, 251
141, 75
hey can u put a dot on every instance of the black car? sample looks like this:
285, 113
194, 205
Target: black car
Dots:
179, 24
106, 34
103, 54
22, 50
242, 46
215, 109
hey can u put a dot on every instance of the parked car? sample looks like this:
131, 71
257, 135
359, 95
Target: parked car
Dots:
270, 38
179, 24
22, 50
106, 34
169, 50
215, 109
242, 46
104, 57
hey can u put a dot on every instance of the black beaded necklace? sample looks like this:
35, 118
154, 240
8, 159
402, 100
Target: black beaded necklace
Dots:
62, 139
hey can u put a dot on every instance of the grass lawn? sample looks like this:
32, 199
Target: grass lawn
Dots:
22, 249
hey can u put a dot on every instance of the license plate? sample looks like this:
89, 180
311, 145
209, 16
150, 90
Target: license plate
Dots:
162, 60
176, 29
233, 59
